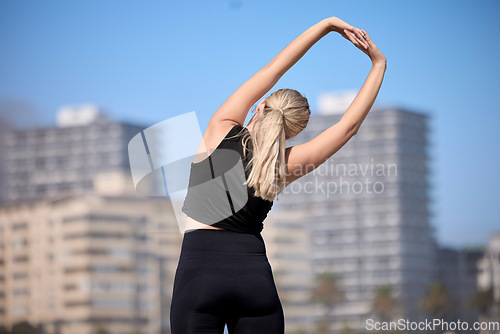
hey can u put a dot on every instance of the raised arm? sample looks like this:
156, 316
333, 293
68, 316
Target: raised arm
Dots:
304, 158
236, 107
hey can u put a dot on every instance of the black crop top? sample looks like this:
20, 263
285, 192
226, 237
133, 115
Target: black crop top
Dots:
216, 194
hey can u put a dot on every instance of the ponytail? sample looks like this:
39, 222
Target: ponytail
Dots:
285, 114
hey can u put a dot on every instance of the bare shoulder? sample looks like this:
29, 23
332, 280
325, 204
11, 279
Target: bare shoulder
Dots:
214, 134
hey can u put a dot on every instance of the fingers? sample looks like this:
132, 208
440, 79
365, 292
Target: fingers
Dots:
361, 36
356, 39
367, 37
351, 37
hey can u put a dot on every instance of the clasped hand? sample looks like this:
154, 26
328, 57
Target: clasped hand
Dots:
359, 37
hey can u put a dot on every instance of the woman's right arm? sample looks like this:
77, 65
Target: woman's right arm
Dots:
304, 158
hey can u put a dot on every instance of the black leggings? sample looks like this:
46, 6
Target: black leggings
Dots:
224, 277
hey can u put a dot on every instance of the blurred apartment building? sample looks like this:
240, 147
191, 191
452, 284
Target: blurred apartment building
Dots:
367, 214
471, 280
489, 271
458, 271
75, 263
39, 163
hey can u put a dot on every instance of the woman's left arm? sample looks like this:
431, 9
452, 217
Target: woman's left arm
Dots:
236, 107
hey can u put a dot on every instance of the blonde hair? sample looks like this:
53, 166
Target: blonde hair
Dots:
286, 113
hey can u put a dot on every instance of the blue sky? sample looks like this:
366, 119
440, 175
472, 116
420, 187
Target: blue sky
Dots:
146, 61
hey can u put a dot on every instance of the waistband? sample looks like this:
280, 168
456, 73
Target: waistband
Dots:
208, 247
223, 241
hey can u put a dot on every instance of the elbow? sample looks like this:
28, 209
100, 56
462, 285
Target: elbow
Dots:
352, 130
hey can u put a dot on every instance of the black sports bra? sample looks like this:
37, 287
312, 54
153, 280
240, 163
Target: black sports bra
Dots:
216, 194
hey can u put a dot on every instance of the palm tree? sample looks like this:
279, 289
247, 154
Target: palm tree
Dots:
100, 329
346, 330
437, 302
23, 327
299, 331
384, 304
498, 309
326, 292
484, 301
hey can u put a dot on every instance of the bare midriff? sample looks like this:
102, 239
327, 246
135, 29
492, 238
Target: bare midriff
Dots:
194, 224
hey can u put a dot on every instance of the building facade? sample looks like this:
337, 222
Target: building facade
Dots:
39, 163
457, 270
78, 263
489, 276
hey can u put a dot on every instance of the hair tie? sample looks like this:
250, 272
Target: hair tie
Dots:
282, 112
